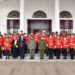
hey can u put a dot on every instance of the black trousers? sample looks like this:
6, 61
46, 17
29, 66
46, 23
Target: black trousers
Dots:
25, 48
54, 51
22, 52
71, 51
36, 50
58, 53
64, 52
46, 51
0, 54
50, 53
14, 52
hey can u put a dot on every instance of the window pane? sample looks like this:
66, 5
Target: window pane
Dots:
66, 24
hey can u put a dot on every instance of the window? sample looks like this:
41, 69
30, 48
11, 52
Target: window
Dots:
66, 24
13, 21
39, 14
65, 14
14, 14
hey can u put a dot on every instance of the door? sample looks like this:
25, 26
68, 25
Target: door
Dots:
39, 25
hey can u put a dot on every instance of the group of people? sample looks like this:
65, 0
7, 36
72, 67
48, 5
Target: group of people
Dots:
52, 44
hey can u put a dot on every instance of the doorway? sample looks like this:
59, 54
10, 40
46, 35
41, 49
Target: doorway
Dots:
39, 25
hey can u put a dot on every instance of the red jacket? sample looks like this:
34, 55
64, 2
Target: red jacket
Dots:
65, 43
27, 39
72, 42
1, 41
50, 42
7, 45
58, 43
37, 38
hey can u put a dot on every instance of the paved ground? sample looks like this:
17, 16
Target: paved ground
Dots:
42, 67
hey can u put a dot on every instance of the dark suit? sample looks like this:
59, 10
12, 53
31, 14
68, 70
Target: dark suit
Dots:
22, 42
15, 49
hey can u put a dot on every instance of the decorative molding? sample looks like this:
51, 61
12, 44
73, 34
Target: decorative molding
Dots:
39, 14
65, 14
14, 14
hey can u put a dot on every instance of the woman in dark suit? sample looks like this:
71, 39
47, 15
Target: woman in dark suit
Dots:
15, 48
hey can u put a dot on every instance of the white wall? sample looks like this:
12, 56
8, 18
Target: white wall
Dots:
45, 5
32, 6
5, 8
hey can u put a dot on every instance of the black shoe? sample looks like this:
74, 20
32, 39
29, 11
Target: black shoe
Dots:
14, 58
72, 58
50, 57
8, 57
31, 57
65, 58
41, 58
21, 58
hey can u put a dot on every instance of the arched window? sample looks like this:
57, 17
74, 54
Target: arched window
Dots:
65, 14
39, 14
66, 22
13, 21
14, 14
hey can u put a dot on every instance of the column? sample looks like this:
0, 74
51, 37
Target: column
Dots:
22, 15
57, 21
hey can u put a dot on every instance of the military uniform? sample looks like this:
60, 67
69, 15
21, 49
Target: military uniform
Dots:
42, 47
65, 46
45, 36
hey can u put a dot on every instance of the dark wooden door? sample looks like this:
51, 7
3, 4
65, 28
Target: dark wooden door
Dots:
39, 25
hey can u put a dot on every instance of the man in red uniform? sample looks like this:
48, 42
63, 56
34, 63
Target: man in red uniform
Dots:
50, 43
72, 46
58, 46
65, 45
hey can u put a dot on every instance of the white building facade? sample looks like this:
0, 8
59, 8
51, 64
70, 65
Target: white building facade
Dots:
27, 8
